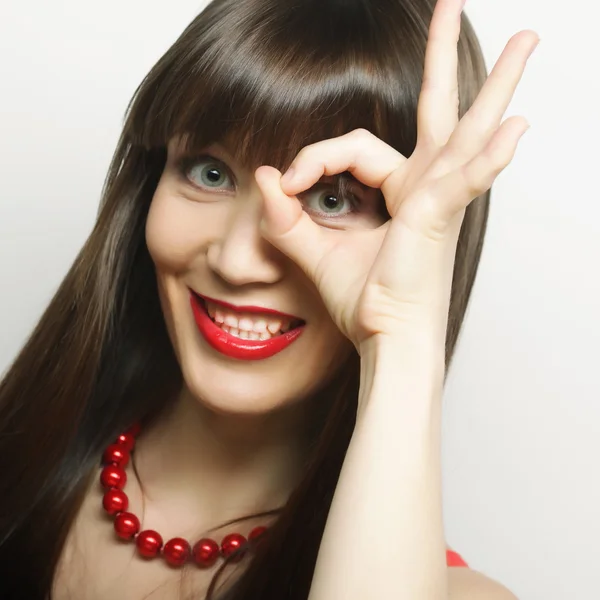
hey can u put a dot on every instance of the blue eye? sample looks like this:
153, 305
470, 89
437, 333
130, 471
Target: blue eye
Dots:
327, 204
206, 172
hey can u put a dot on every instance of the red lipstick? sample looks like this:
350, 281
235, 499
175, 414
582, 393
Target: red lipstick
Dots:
235, 347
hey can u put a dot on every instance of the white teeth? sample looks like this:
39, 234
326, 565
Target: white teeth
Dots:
246, 335
274, 326
231, 321
260, 326
248, 326
246, 323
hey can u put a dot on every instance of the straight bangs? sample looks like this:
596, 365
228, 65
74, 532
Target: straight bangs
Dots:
270, 78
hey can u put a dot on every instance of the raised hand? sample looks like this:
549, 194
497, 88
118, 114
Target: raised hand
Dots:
377, 282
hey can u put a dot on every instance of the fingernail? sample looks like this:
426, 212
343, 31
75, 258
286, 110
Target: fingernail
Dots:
288, 175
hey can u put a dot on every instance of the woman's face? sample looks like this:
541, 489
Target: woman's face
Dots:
249, 329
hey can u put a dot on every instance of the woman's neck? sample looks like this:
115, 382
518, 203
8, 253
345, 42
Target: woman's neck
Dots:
218, 467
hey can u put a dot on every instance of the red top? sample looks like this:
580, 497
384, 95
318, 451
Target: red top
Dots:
453, 559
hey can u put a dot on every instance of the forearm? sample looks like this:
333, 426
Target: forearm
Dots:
384, 535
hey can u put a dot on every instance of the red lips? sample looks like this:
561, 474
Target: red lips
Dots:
235, 347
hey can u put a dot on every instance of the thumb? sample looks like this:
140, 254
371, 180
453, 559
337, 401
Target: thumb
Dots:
285, 225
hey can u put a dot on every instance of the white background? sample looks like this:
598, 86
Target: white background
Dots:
522, 429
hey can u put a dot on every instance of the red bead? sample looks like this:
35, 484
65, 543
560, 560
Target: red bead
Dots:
205, 552
148, 543
113, 477
256, 534
117, 455
126, 525
135, 429
115, 501
176, 551
127, 440
231, 544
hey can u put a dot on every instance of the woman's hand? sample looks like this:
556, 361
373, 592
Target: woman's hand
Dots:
376, 282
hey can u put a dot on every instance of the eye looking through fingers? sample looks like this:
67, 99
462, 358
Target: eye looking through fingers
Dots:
338, 201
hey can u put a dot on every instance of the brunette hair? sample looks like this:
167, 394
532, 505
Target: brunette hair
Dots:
275, 75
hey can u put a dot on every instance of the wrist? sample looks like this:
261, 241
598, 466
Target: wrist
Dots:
405, 347
402, 369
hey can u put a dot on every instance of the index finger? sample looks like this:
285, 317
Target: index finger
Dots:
368, 158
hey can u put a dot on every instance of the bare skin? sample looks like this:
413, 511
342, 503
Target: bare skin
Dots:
392, 311
96, 566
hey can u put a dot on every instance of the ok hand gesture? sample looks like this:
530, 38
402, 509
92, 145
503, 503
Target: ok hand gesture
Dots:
377, 282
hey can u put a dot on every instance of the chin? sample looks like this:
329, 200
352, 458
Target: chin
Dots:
225, 390
227, 385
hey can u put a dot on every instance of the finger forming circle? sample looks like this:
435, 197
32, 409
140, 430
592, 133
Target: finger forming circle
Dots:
369, 159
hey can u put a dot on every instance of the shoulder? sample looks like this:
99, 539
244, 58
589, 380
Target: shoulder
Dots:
466, 584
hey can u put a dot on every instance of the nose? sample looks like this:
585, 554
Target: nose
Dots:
239, 254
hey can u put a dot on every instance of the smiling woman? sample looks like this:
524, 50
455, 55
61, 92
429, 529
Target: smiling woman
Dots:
261, 357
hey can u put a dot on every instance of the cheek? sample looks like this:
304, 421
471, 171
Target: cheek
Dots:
331, 348
176, 230
164, 284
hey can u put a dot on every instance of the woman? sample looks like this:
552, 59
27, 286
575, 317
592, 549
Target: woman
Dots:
235, 393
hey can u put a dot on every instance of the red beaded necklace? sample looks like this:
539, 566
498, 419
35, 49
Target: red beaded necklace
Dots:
177, 551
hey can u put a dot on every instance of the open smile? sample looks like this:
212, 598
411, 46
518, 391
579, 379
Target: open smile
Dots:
244, 332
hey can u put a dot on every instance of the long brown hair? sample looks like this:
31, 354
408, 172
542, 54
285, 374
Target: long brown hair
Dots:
275, 75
